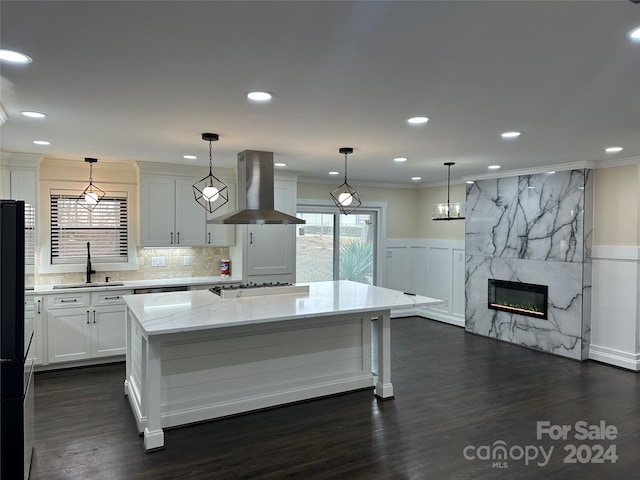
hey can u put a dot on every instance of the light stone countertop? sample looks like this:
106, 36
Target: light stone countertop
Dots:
174, 312
133, 284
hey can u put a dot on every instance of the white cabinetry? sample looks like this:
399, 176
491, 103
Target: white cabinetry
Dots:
220, 235
169, 214
85, 325
33, 314
269, 252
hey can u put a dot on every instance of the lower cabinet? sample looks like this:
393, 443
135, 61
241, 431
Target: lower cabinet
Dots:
93, 328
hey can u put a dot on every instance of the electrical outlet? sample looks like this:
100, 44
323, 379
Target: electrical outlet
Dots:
157, 262
186, 260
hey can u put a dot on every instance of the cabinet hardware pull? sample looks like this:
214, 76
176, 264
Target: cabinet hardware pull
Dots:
251, 238
94, 316
171, 242
209, 237
88, 317
178, 242
112, 298
38, 306
67, 301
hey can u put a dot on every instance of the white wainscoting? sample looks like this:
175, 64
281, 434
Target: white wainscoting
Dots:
615, 306
434, 268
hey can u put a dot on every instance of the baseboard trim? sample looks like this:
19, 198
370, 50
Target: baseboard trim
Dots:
618, 358
426, 312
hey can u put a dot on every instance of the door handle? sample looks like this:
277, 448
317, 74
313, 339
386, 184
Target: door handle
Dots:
178, 242
94, 316
250, 238
38, 306
171, 241
88, 322
209, 237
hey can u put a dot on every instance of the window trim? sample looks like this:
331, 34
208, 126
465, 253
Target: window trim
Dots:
43, 228
69, 198
313, 205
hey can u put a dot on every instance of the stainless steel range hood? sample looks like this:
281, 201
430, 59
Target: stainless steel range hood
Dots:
255, 192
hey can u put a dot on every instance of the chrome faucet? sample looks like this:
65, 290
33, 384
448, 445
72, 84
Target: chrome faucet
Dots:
89, 269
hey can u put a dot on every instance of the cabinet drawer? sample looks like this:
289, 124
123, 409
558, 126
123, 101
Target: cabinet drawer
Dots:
68, 300
108, 298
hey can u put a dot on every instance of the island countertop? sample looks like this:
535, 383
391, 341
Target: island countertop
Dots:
164, 313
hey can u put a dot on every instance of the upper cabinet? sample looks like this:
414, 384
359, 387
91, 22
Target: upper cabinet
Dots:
220, 235
269, 250
170, 216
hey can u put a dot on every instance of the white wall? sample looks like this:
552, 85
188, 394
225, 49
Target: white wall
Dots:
615, 306
430, 267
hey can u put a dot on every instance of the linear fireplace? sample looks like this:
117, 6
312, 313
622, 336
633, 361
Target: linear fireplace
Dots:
517, 297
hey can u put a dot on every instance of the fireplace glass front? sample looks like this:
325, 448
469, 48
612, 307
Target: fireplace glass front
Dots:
517, 297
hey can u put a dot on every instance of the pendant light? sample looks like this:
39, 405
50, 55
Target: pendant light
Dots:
345, 197
448, 211
90, 196
210, 192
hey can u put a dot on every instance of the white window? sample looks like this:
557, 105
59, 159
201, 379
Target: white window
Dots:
72, 226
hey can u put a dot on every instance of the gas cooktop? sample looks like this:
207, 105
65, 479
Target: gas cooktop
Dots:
258, 289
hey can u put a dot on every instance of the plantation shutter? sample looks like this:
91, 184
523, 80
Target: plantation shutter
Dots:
29, 234
72, 226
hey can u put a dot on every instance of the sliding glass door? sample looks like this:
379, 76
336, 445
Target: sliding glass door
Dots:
331, 246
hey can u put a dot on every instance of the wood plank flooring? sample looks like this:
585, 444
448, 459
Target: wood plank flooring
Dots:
452, 390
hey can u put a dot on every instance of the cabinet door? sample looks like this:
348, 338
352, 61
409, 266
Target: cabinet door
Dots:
69, 333
219, 235
108, 331
157, 211
38, 341
269, 249
190, 216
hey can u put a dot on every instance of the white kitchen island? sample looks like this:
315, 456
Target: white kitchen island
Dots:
193, 356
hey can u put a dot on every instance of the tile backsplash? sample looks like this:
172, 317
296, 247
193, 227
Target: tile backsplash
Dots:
204, 261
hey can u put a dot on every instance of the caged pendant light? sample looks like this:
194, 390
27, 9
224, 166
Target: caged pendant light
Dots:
90, 196
210, 192
448, 211
345, 197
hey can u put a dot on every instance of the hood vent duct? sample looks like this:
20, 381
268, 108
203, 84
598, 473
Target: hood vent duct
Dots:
255, 193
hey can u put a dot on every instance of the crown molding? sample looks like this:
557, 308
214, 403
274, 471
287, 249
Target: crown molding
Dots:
622, 162
533, 171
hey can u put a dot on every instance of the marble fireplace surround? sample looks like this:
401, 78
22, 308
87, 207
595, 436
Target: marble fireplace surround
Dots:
533, 229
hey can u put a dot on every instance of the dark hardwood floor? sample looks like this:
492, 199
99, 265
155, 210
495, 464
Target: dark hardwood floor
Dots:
452, 390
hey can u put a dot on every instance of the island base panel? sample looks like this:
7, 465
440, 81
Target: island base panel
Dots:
195, 376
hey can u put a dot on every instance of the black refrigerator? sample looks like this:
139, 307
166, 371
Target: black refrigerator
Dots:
16, 362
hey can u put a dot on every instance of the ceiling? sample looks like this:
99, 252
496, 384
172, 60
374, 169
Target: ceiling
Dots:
142, 80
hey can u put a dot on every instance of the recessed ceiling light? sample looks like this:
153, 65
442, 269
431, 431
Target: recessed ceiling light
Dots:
334, 173
551, 172
470, 182
259, 96
510, 134
493, 167
613, 149
400, 159
189, 157
417, 120
531, 187
14, 57
41, 142
280, 164
634, 34
415, 179
34, 114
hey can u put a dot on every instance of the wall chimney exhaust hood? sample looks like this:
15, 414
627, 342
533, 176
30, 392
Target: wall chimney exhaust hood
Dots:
255, 193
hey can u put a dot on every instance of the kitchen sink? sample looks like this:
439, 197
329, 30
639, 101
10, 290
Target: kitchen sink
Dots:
88, 285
